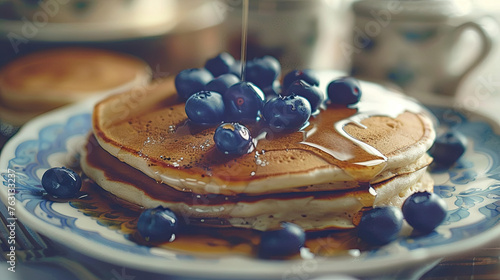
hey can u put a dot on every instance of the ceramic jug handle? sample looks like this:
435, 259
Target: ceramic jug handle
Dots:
487, 29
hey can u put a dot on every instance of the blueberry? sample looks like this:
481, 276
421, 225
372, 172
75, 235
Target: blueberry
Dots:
222, 83
344, 91
313, 94
309, 76
448, 148
272, 91
205, 107
287, 113
157, 224
221, 64
424, 211
61, 182
380, 225
236, 69
243, 102
263, 71
285, 241
190, 81
233, 139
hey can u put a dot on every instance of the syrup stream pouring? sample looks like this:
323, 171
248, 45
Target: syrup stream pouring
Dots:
244, 35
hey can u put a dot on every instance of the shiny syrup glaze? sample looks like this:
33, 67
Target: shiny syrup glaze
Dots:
167, 141
98, 158
122, 216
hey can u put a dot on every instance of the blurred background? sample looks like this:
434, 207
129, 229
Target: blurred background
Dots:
176, 34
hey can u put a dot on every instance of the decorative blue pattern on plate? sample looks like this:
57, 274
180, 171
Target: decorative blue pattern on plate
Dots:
471, 188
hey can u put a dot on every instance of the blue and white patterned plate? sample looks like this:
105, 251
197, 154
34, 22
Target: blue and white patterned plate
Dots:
471, 189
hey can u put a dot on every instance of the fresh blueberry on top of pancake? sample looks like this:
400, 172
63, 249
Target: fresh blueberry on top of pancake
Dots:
282, 242
191, 81
448, 148
287, 113
222, 83
313, 94
157, 224
233, 139
344, 91
307, 75
263, 71
61, 182
221, 64
243, 102
380, 225
424, 211
205, 107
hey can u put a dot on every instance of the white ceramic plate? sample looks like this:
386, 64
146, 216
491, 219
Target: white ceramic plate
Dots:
471, 188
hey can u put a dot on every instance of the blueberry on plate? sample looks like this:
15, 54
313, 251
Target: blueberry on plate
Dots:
205, 107
424, 211
233, 139
243, 102
191, 81
380, 225
61, 182
313, 94
344, 91
222, 83
263, 71
448, 148
221, 64
287, 113
307, 75
282, 242
157, 224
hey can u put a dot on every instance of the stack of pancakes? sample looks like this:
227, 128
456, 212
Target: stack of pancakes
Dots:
143, 149
42, 81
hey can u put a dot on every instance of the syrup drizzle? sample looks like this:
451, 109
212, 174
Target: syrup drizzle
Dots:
392, 107
369, 106
244, 36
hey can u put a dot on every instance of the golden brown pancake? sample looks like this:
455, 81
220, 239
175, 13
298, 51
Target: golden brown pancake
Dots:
375, 141
44, 80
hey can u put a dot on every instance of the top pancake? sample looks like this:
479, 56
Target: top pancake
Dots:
384, 135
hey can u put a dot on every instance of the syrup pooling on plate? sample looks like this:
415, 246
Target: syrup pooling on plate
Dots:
121, 215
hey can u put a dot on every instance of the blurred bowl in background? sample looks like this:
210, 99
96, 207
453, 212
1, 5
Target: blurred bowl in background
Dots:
176, 33
129, 12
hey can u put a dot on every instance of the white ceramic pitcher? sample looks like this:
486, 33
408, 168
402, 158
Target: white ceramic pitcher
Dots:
410, 43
